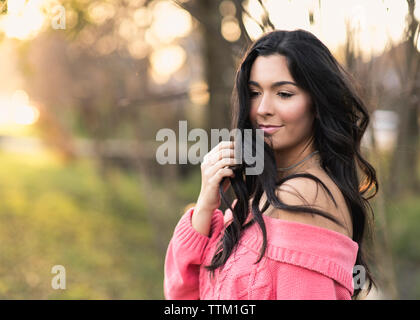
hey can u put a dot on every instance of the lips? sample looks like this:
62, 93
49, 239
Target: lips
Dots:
269, 129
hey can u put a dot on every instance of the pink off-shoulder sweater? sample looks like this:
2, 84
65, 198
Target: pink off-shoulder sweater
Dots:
302, 261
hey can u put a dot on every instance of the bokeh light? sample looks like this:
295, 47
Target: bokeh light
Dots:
99, 12
167, 60
170, 22
198, 93
230, 29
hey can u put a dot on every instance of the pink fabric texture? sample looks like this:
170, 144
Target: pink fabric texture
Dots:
302, 262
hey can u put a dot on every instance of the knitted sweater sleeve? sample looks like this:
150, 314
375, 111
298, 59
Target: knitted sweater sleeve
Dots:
184, 256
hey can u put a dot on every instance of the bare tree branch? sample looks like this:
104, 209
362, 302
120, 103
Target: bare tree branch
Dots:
244, 34
253, 18
266, 18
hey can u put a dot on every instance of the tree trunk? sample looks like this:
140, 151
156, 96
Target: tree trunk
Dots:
219, 66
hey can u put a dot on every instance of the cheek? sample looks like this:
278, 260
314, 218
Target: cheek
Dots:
297, 112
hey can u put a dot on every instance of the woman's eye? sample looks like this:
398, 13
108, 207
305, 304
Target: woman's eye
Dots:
253, 93
285, 95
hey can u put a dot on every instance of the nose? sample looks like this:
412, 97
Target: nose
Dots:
265, 108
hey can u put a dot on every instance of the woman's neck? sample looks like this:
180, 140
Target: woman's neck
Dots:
309, 159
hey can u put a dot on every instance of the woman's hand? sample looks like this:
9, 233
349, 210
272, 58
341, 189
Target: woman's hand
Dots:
213, 169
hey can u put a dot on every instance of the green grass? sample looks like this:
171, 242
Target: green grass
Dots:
96, 227
404, 224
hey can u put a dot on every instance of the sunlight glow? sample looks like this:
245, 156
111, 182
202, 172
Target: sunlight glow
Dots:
376, 22
368, 22
23, 20
289, 15
252, 28
170, 22
17, 110
25, 115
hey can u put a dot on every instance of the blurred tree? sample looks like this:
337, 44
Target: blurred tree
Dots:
397, 178
405, 159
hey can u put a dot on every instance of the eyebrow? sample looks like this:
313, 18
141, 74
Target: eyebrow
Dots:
274, 84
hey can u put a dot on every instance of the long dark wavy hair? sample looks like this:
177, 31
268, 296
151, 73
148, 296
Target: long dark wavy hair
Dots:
340, 122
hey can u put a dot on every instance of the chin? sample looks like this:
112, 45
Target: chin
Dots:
281, 146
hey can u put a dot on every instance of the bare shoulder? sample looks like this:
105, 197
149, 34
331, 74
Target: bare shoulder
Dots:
305, 191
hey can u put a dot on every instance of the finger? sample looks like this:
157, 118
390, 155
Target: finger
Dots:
212, 156
222, 145
232, 206
234, 203
218, 176
228, 212
225, 172
224, 163
221, 154
225, 145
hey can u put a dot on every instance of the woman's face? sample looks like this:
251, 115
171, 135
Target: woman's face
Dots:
284, 105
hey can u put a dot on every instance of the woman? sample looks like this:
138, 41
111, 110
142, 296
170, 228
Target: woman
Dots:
283, 237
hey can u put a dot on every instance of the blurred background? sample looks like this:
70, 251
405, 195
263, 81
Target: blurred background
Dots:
85, 87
